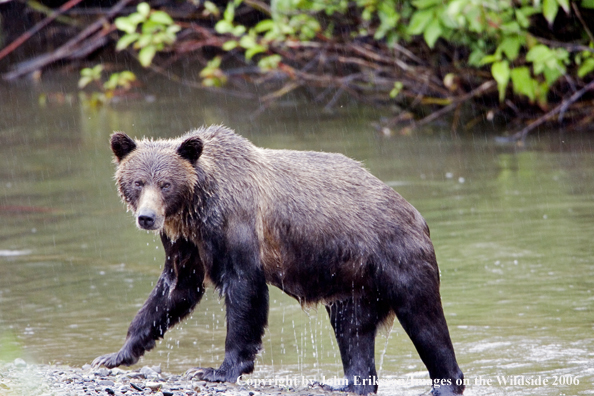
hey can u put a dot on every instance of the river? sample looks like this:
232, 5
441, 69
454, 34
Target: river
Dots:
512, 228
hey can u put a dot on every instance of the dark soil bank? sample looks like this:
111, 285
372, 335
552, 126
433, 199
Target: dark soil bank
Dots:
20, 378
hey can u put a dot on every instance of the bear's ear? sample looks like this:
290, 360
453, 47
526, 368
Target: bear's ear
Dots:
191, 149
121, 145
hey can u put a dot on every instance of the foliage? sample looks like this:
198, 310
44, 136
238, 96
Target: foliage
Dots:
499, 33
212, 75
117, 83
89, 75
148, 31
435, 52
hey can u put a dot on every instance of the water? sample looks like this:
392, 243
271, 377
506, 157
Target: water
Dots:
512, 231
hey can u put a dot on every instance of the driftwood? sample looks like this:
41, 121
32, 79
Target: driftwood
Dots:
29, 33
74, 46
560, 109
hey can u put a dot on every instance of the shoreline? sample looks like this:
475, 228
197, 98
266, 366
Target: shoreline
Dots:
21, 378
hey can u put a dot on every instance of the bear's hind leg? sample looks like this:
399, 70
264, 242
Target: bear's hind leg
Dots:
355, 323
419, 310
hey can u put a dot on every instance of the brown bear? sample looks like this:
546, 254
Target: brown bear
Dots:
317, 225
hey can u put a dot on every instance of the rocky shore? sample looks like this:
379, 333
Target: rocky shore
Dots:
20, 378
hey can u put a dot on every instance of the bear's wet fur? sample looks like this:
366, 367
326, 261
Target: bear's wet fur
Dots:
317, 225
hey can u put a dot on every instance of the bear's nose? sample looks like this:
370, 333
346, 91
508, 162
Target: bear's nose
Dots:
146, 219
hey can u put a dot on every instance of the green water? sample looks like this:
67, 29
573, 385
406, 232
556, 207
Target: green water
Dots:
513, 232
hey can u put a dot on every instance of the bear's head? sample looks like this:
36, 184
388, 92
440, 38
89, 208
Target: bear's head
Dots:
155, 178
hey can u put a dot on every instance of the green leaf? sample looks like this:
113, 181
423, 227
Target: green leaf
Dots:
510, 46
562, 55
549, 10
475, 57
173, 29
257, 49
211, 8
112, 83
223, 27
269, 62
419, 21
552, 74
247, 42
143, 9
128, 75
229, 45
264, 26
146, 55
455, 7
586, 67
523, 83
86, 72
136, 18
97, 70
238, 30
125, 25
501, 74
588, 3
229, 14
542, 92
476, 22
539, 53
511, 27
215, 62
490, 58
159, 38
528, 11
564, 4
452, 23
396, 90
126, 40
522, 19
150, 27
432, 32
144, 40
84, 81
421, 4
161, 17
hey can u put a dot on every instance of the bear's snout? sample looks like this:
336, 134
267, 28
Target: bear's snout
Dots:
150, 214
146, 219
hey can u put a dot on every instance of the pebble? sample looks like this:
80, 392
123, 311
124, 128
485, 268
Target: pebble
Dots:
40, 380
18, 362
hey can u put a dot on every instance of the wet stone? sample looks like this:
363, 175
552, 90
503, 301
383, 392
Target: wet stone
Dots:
18, 362
148, 372
106, 383
153, 385
103, 372
147, 381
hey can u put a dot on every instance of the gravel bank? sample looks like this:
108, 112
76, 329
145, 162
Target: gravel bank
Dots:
19, 378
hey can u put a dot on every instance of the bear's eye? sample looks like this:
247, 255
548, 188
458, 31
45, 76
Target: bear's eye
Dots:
165, 186
138, 183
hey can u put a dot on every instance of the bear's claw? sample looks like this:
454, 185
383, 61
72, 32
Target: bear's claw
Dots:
109, 360
205, 374
114, 359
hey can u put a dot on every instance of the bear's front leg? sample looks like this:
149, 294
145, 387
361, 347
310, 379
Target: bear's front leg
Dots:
179, 289
237, 272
